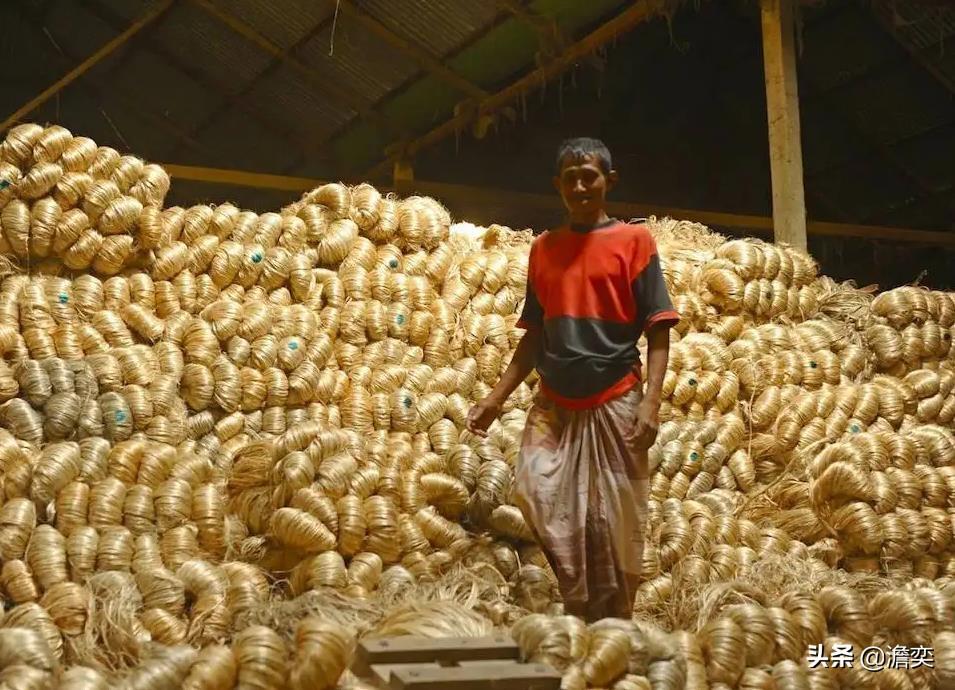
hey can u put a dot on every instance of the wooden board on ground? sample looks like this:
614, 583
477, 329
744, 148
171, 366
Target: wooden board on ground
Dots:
409, 650
510, 675
408, 663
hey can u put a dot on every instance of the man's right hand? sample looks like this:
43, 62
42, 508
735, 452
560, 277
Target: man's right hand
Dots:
482, 415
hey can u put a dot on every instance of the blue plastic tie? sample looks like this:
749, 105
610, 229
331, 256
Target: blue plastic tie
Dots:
694, 456
64, 298
692, 382
407, 402
854, 428
256, 257
4, 184
812, 365
120, 416
293, 345
400, 319
393, 263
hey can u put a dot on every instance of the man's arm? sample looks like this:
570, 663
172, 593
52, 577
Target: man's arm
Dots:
658, 355
522, 364
483, 414
656, 316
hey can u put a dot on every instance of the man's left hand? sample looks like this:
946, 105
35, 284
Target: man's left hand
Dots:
647, 424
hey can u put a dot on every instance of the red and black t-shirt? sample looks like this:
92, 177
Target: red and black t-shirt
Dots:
593, 291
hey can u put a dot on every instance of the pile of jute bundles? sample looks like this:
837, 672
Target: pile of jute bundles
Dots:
800, 455
239, 399
248, 410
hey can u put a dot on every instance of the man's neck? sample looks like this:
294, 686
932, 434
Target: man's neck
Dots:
590, 219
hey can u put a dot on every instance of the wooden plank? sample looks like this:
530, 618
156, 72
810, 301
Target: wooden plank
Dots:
512, 676
782, 107
381, 673
87, 64
633, 16
241, 178
476, 198
397, 650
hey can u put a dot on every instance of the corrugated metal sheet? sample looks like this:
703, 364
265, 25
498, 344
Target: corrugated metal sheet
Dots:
62, 23
213, 48
921, 26
287, 98
844, 47
154, 81
440, 26
128, 9
358, 61
231, 145
898, 103
285, 22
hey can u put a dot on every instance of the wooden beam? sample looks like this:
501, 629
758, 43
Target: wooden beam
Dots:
477, 198
422, 57
782, 106
241, 178
108, 49
634, 15
344, 95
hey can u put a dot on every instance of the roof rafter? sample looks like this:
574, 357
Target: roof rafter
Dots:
424, 59
483, 197
635, 14
344, 95
105, 51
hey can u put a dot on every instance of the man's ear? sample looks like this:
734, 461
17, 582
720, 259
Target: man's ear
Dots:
612, 179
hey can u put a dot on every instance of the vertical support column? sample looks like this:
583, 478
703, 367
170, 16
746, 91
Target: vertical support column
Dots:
403, 176
782, 107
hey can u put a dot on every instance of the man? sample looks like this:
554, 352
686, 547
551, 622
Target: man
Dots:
594, 286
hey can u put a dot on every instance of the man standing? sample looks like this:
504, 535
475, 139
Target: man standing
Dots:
594, 286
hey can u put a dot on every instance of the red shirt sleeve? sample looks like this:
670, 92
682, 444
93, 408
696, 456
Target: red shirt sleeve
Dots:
649, 286
533, 314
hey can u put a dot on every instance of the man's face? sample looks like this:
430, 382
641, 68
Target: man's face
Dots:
583, 185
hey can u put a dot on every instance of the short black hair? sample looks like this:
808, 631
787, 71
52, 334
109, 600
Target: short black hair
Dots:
584, 147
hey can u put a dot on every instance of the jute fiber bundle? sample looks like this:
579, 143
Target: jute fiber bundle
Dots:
232, 444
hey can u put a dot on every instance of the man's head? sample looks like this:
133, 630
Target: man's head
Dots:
584, 176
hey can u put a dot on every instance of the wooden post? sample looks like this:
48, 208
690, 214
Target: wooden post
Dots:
782, 107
